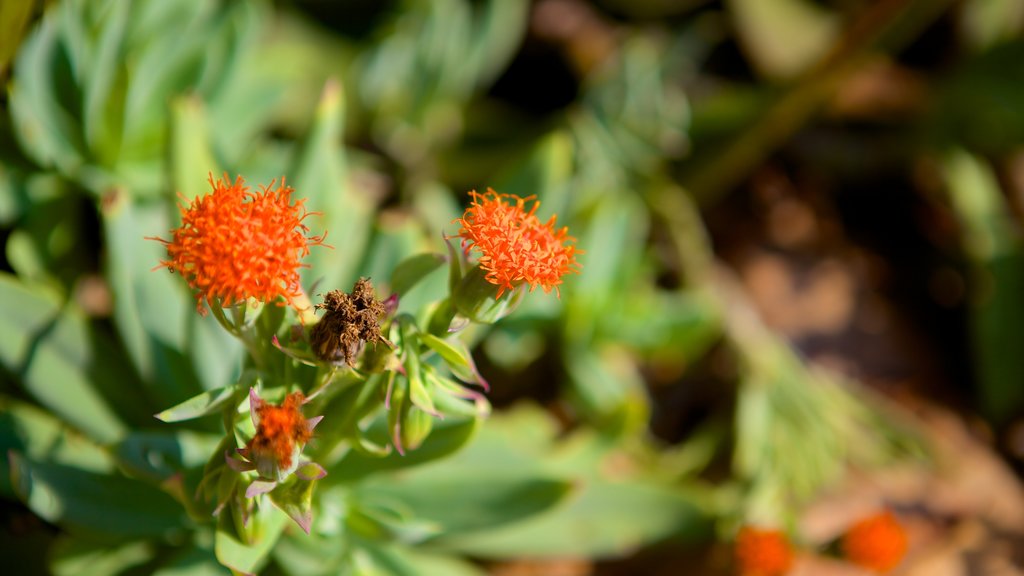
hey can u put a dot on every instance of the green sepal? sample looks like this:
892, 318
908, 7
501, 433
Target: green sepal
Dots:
295, 499
475, 298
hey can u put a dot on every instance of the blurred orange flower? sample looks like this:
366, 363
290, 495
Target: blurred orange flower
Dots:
877, 542
515, 246
280, 430
762, 552
235, 244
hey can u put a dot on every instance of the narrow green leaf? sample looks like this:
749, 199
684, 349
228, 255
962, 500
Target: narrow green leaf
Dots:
104, 88
39, 436
410, 271
417, 390
463, 504
47, 347
455, 357
446, 437
101, 505
72, 557
198, 406
319, 173
192, 162
605, 519
544, 172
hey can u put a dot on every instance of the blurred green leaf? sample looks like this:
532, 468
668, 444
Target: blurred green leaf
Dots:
465, 503
72, 557
191, 158
397, 560
101, 505
14, 16
178, 352
198, 406
157, 456
38, 435
993, 242
447, 436
104, 88
191, 561
413, 269
319, 173
47, 346
545, 172
977, 104
607, 513
784, 37
987, 22
268, 523
609, 389
604, 519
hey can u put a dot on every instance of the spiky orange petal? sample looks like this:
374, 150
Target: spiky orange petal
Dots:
235, 244
515, 246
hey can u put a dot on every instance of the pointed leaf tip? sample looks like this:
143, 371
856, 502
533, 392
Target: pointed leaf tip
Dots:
310, 471
259, 487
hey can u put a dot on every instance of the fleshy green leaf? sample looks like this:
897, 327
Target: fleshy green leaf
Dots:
72, 557
319, 173
410, 271
267, 524
605, 519
101, 505
198, 406
446, 437
192, 161
467, 503
47, 347
38, 435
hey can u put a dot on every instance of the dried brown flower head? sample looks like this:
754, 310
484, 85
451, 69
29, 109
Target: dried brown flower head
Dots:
348, 321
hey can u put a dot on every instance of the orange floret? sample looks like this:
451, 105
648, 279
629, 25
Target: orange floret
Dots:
515, 246
762, 552
877, 542
280, 429
235, 244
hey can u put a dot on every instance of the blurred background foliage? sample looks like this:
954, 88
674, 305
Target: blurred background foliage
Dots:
657, 401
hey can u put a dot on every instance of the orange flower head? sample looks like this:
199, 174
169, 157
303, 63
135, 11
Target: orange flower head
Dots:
762, 552
877, 542
515, 246
235, 244
281, 431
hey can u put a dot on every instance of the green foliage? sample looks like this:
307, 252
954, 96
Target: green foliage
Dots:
137, 426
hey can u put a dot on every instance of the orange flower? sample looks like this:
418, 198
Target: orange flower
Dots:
762, 552
515, 246
280, 431
235, 244
877, 542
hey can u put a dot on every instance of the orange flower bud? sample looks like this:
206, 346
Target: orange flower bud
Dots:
877, 542
762, 552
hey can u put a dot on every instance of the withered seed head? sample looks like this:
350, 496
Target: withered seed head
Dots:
349, 320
